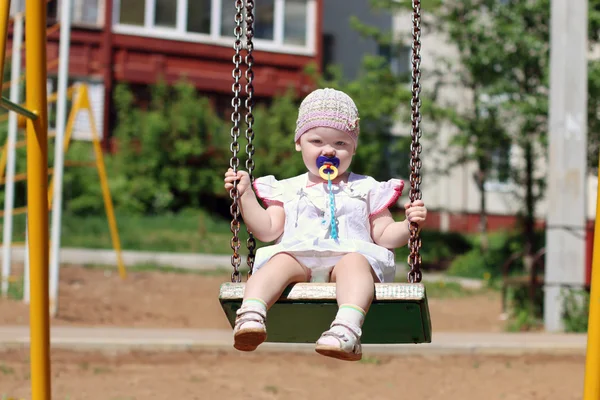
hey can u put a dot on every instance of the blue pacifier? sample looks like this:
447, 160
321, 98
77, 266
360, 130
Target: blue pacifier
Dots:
328, 167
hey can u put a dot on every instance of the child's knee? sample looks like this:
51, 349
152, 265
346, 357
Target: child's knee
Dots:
354, 260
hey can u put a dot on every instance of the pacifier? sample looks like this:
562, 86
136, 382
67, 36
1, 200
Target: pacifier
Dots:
328, 167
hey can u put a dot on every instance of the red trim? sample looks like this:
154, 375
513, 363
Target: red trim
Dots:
392, 200
266, 202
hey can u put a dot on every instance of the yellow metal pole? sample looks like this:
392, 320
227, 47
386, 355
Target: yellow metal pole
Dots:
108, 204
591, 389
37, 197
3, 159
66, 140
4, 14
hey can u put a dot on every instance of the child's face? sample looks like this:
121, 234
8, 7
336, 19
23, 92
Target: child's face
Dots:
326, 142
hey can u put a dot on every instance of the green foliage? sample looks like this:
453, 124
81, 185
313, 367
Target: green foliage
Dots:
576, 310
173, 154
167, 155
274, 129
439, 249
523, 314
189, 231
478, 264
504, 51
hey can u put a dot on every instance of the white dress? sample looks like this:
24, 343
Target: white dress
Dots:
307, 232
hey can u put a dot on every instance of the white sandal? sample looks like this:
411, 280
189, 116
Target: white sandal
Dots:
249, 338
349, 348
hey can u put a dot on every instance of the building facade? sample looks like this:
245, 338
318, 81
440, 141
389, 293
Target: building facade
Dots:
139, 42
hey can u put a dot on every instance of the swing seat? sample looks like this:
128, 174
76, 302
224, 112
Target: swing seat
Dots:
399, 313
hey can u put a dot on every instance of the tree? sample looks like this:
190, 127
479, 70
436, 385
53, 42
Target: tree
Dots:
167, 155
503, 60
508, 44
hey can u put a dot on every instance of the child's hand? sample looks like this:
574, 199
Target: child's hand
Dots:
416, 212
243, 181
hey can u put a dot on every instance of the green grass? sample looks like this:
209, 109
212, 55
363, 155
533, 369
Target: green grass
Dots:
193, 231
219, 272
15, 289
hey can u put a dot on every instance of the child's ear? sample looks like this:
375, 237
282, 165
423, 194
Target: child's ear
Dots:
298, 147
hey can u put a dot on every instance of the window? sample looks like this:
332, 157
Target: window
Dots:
499, 173
264, 19
83, 12
131, 12
500, 163
279, 25
198, 16
295, 22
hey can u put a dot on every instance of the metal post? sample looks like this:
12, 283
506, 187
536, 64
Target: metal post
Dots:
37, 197
61, 117
565, 231
591, 390
9, 194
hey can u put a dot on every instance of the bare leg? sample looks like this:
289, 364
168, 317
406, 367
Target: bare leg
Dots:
355, 280
270, 281
261, 292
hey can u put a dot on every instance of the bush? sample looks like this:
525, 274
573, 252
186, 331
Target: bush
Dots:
438, 249
576, 310
476, 264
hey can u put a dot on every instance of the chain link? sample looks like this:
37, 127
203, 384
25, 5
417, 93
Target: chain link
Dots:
414, 241
234, 162
249, 103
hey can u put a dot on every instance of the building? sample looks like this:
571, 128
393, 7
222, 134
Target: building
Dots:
140, 41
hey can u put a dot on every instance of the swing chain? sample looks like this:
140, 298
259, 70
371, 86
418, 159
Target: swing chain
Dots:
234, 162
249, 103
414, 241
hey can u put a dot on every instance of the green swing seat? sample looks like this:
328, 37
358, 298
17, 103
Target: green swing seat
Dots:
399, 313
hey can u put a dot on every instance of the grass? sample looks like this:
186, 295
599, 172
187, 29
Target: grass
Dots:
15, 289
222, 271
189, 232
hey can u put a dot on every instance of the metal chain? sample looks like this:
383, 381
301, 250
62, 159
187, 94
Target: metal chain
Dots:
249, 103
234, 162
414, 241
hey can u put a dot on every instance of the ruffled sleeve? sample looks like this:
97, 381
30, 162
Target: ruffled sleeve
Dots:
384, 194
269, 190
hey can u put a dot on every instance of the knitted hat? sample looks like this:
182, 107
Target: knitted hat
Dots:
328, 108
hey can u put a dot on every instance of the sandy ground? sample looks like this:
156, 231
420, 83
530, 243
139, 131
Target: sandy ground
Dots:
215, 375
89, 297
153, 299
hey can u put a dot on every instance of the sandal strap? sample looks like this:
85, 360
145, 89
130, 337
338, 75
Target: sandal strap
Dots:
248, 314
355, 330
245, 310
342, 337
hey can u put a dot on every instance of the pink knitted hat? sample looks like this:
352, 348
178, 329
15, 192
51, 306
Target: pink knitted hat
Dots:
328, 108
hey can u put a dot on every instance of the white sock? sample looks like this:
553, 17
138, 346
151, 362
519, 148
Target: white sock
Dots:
255, 303
351, 313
